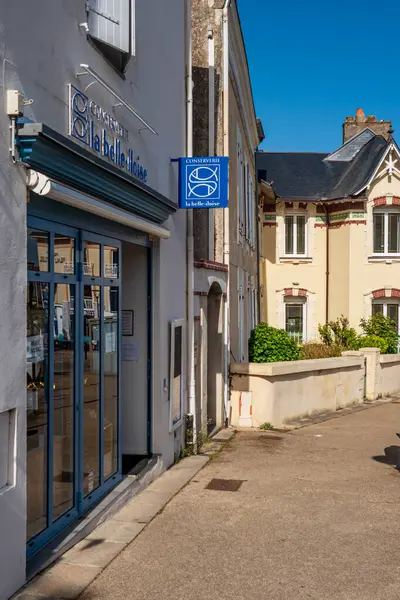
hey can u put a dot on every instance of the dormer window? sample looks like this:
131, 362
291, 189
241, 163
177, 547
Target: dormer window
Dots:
387, 231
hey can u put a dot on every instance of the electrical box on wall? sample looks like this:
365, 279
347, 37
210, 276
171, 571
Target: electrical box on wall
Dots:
14, 103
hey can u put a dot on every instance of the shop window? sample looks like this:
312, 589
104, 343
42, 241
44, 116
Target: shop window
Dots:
295, 235
386, 231
38, 250
64, 254
176, 374
111, 26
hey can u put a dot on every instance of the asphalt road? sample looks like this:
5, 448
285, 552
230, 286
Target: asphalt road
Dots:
316, 516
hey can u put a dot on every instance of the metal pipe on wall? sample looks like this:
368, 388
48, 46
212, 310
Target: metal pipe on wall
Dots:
327, 266
211, 130
258, 245
226, 249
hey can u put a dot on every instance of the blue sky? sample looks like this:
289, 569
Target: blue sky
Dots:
310, 70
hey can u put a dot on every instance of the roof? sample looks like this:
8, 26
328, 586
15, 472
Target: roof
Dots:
315, 175
360, 169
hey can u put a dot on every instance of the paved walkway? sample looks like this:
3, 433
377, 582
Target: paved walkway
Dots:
317, 516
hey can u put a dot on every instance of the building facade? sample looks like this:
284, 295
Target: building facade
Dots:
93, 259
331, 231
225, 243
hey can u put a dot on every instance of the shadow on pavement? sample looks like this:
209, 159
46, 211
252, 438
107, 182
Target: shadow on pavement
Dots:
391, 456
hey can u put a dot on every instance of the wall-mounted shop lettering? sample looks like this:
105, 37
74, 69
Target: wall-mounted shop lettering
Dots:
93, 126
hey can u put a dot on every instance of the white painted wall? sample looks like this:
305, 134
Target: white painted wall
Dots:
12, 359
134, 373
41, 48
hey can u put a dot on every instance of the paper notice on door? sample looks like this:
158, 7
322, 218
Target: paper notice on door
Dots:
130, 351
35, 349
110, 342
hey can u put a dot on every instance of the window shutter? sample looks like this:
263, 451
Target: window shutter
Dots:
240, 184
109, 22
241, 313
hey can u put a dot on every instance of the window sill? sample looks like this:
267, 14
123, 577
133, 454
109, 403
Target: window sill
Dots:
295, 259
384, 258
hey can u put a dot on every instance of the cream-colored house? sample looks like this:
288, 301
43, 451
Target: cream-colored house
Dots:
331, 231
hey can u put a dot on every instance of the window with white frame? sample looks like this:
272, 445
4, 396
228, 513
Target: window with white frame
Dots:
246, 202
249, 207
295, 234
111, 25
252, 214
386, 231
389, 308
249, 306
253, 304
295, 319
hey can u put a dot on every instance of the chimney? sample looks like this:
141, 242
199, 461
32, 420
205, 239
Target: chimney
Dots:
353, 125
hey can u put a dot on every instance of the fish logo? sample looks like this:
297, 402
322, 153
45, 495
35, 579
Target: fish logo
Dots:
203, 182
79, 115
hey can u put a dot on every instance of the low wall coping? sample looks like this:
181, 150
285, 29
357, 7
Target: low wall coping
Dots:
296, 366
389, 358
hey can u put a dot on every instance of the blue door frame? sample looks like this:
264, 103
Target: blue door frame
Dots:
78, 279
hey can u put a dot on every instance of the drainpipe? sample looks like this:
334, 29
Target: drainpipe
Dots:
211, 130
225, 32
190, 240
258, 248
327, 266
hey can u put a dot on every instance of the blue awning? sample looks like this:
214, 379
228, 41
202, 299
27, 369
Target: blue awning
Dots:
57, 156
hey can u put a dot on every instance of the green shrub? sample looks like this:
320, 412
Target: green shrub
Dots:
383, 327
312, 350
266, 427
268, 344
339, 333
373, 341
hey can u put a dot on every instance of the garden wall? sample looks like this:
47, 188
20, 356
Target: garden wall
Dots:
278, 393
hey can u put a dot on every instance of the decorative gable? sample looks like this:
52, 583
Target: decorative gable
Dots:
388, 166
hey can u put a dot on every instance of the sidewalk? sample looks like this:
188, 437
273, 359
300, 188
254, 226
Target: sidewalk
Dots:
315, 515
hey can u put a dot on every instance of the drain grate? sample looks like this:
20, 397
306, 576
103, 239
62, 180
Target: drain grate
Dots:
225, 485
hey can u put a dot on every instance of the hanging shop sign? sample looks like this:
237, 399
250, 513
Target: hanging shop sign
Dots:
100, 131
203, 182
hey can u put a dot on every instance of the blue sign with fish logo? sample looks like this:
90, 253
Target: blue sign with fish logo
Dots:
203, 182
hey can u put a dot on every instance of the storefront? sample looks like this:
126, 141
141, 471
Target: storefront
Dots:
89, 327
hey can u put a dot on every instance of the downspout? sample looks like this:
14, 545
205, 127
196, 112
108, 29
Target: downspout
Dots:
189, 232
327, 266
258, 250
225, 33
211, 130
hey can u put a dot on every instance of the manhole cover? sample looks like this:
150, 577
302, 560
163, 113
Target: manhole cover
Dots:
224, 485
